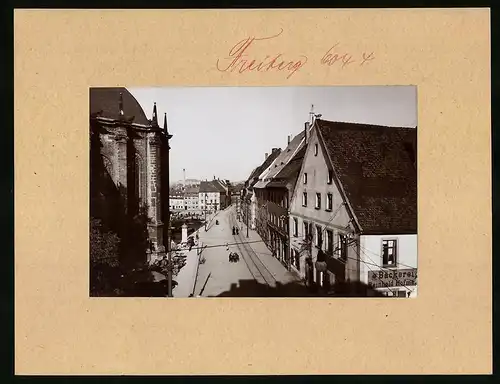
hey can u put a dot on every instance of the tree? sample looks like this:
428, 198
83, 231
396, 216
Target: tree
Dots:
103, 259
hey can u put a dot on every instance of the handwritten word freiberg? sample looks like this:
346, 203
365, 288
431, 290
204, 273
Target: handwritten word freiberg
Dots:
334, 55
241, 62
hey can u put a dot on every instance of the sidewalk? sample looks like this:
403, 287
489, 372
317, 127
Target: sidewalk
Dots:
280, 273
186, 277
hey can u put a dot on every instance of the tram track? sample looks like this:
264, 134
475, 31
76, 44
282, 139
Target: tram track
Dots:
257, 268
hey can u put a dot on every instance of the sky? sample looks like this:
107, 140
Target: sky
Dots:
226, 131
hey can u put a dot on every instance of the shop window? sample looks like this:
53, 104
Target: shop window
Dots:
389, 253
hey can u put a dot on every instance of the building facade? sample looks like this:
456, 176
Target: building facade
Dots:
248, 198
191, 200
273, 192
176, 203
209, 197
129, 165
353, 211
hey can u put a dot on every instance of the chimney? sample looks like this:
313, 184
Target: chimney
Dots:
306, 128
274, 150
289, 139
266, 154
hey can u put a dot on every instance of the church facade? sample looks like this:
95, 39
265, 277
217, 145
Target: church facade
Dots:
129, 168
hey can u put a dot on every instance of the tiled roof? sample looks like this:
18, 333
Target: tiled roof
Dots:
376, 166
285, 156
218, 184
107, 101
281, 161
290, 172
208, 186
254, 178
192, 190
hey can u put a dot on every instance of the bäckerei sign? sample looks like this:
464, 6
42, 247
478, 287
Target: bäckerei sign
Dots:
392, 278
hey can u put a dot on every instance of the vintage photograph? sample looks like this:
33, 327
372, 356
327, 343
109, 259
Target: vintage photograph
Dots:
253, 191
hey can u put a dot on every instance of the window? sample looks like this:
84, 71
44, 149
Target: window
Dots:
306, 229
304, 199
319, 236
296, 259
305, 178
389, 248
295, 227
343, 247
329, 242
329, 202
330, 177
318, 200
315, 149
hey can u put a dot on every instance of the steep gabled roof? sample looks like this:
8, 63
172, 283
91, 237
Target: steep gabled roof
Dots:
208, 186
218, 184
281, 160
295, 144
254, 178
290, 172
376, 168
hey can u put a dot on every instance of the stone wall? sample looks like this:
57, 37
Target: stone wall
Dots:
133, 158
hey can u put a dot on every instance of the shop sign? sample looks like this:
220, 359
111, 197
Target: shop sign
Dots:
392, 278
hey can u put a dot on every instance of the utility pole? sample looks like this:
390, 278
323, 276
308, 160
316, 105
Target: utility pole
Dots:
170, 266
169, 233
205, 212
247, 217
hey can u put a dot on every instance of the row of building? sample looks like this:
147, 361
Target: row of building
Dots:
339, 205
208, 196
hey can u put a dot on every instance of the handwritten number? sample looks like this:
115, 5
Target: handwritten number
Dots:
367, 58
240, 58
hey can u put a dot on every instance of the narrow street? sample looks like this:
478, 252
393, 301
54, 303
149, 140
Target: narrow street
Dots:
256, 272
217, 269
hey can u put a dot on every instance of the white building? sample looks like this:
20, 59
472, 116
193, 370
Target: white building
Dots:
209, 197
353, 214
176, 203
191, 200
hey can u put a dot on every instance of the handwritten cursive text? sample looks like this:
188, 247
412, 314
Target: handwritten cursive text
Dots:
240, 60
336, 56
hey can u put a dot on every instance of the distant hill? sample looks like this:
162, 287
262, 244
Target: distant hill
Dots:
188, 182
